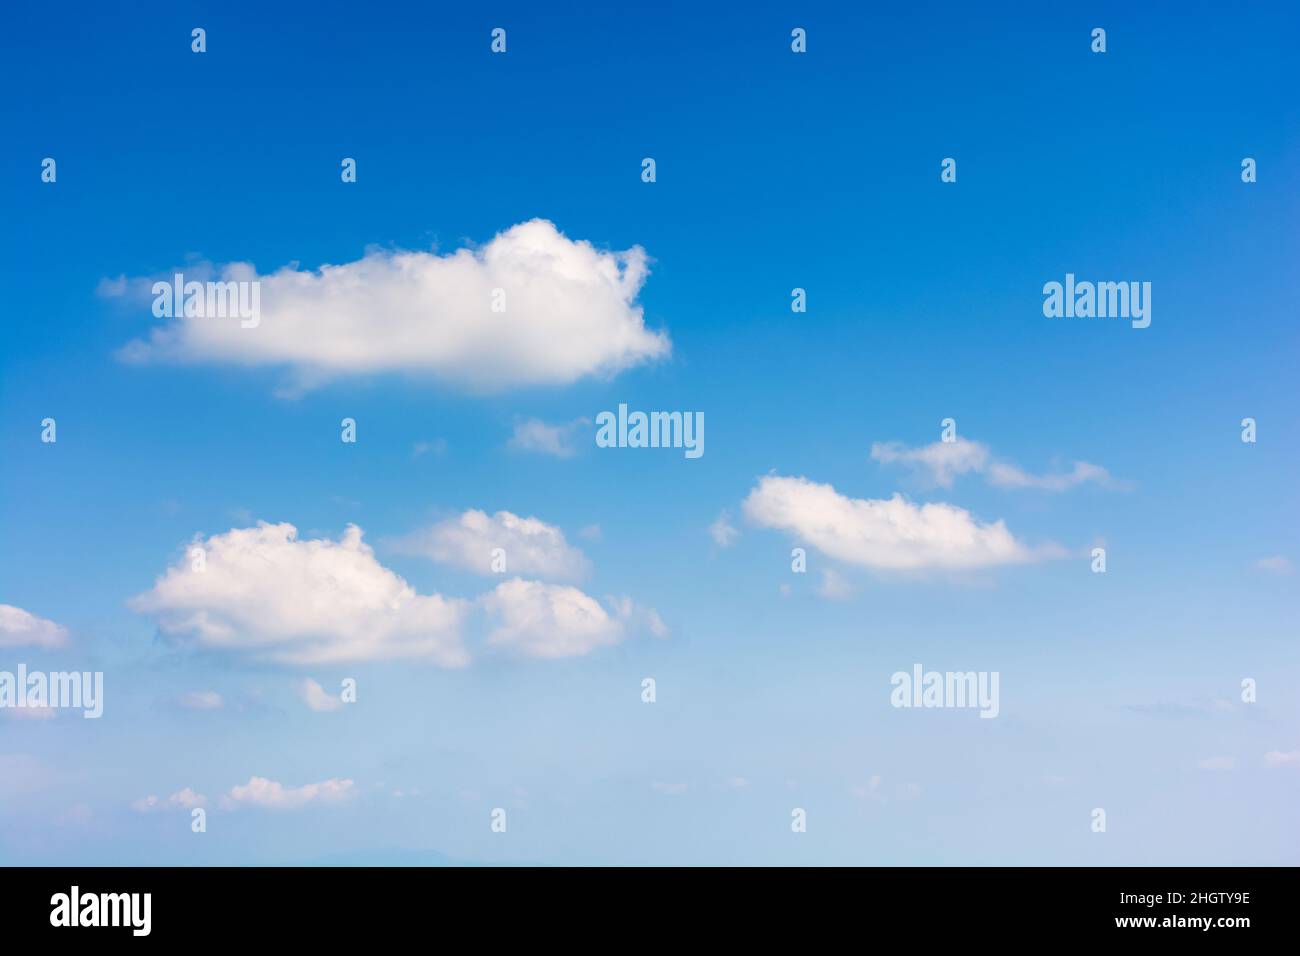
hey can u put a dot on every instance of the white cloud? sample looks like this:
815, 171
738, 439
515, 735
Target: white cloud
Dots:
531, 546
270, 595
29, 713
834, 586
201, 700
185, 799
536, 435
892, 534
569, 314
1276, 564
939, 463
1003, 475
19, 628
421, 448
1217, 763
670, 789
547, 620
1278, 758
271, 795
629, 612
722, 531
316, 697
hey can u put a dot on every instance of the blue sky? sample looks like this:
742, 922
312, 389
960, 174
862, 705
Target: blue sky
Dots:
774, 170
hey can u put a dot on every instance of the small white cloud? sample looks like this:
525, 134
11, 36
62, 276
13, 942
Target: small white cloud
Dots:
1278, 758
316, 697
670, 789
271, 795
723, 532
1217, 763
834, 586
19, 628
537, 436
591, 532
185, 799
891, 534
468, 541
200, 700
737, 783
421, 448
1277, 564
548, 620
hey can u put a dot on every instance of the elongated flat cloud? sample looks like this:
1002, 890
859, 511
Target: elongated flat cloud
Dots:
19, 628
887, 534
266, 593
939, 463
569, 312
529, 546
185, 799
201, 700
548, 620
272, 795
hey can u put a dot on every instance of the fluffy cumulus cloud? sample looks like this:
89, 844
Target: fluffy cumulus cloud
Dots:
264, 592
19, 628
940, 463
891, 534
272, 795
548, 620
529, 546
569, 312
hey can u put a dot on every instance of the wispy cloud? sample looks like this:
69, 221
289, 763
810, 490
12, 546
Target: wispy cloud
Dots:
940, 463
1277, 564
316, 697
535, 435
723, 533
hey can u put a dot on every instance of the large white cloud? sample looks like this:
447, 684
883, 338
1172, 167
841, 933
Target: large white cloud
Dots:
891, 534
940, 462
569, 312
530, 546
548, 620
19, 628
266, 593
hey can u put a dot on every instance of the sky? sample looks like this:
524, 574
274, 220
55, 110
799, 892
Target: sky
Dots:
515, 681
